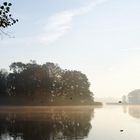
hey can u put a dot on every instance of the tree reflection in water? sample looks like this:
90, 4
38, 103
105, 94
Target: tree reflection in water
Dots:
62, 124
134, 111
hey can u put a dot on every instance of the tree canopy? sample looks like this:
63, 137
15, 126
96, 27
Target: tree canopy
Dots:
45, 83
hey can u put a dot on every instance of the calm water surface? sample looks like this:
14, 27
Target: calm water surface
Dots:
70, 123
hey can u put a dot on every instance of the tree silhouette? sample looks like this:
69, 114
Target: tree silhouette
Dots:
46, 84
3, 81
6, 18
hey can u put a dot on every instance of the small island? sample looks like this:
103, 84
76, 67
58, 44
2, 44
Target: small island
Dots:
33, 84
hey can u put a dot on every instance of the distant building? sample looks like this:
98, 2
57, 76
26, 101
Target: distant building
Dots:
134, 97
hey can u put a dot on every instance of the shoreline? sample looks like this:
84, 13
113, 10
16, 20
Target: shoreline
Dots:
46, 109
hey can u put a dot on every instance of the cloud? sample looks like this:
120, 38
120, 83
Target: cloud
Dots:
130, 49
57, 26
60, 23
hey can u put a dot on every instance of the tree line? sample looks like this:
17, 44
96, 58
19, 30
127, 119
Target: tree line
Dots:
46, 83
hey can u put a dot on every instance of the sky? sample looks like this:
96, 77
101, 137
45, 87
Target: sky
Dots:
97, 37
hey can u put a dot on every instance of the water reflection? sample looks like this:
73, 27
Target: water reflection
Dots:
62, 124
134, 111
124, 108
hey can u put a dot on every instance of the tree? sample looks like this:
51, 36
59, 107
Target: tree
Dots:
3, 81
46, 83
6, 18
76, 87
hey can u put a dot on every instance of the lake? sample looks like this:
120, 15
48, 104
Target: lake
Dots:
70, 123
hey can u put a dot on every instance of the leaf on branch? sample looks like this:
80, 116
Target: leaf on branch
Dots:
6, 19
